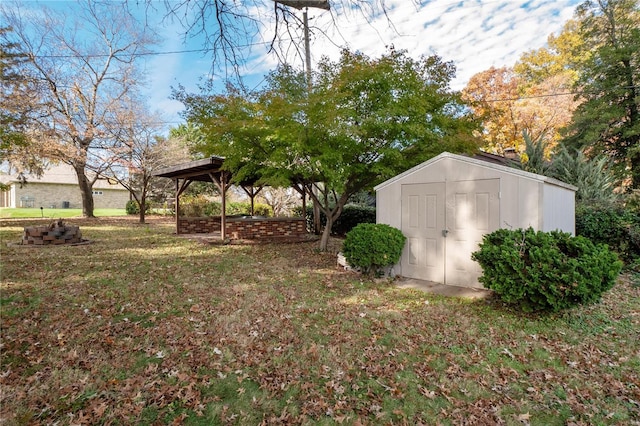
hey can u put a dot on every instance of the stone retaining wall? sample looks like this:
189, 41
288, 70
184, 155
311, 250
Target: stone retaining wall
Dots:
245, 228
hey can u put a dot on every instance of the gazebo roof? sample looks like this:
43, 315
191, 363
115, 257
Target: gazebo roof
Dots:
198, 170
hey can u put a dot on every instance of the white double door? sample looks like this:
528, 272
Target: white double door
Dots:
444, 222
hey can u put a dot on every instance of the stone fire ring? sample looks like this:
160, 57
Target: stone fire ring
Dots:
81, 243
56, 234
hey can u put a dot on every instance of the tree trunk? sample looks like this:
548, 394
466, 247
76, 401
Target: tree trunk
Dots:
326, 233
143, 209
316, 218
86, 190
332, 216
635, 168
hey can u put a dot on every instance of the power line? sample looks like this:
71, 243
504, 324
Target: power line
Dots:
169, 52
550, 95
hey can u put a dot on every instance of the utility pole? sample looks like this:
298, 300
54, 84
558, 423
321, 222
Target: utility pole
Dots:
307, 49
304, 5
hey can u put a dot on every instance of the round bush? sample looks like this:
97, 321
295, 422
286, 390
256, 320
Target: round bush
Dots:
371, 246
132, 207
545, 270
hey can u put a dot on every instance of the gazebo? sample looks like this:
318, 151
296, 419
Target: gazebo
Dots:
211, 170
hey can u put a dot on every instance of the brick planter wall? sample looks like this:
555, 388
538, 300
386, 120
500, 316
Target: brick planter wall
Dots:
264, 229
198, 225
245, 228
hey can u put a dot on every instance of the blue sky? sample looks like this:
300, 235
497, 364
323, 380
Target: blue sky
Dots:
474, 34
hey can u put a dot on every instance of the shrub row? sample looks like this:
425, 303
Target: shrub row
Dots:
199, 205
545, 270
352, 215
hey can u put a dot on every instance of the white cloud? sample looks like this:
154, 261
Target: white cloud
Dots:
474, 34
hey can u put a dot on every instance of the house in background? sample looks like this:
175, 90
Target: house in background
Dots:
58, 188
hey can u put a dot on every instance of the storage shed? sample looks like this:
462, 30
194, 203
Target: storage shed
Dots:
445, 205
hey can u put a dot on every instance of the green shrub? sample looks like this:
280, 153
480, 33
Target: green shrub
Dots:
212, 209
132, 207
199, 206
545, 270
352, 215
193, 205
243, 208
235, 208
613, 225
371, 246
261, 209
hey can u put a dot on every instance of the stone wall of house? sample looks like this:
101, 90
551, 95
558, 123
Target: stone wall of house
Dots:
48, 196
245, 228
110, 198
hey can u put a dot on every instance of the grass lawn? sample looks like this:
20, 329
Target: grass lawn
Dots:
144, 327
55, 213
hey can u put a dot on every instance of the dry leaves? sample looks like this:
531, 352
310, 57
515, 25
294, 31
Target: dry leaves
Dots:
144, 327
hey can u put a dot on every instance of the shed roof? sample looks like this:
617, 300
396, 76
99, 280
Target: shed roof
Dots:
479, 163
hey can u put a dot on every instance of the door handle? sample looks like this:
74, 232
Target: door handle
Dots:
445, 232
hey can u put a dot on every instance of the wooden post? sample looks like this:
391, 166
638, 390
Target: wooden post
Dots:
179, 190
223, 215
177, 206
222, 187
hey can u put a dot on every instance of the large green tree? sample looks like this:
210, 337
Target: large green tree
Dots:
608, 121
363, 121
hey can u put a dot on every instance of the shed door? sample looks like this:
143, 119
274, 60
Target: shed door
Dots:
444, 223
422, 223
473, 210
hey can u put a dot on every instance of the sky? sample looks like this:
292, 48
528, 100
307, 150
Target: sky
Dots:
473, 34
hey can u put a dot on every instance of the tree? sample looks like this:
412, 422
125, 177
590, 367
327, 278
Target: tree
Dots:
364, 121
545, 108
85, 66
508, 104
229, 29
591, 176
534, 159
19, 99
608, 121
563, 55
493, 95
281, 200
139, 152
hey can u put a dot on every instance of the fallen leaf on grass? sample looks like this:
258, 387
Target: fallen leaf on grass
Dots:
426, 392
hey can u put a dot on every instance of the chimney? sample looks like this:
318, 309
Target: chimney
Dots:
510, 153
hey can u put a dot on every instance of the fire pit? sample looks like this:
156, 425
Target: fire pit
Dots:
57, 233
